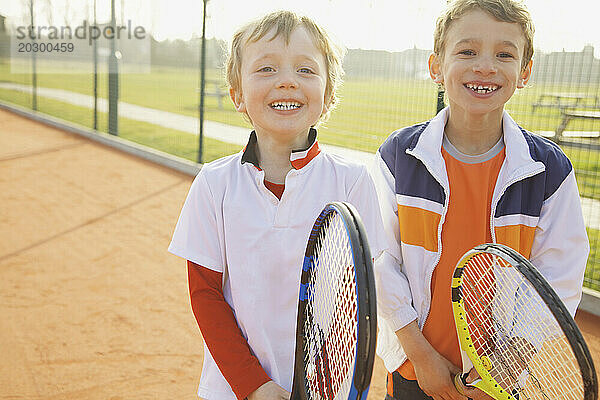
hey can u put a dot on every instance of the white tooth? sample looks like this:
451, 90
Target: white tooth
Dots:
480, 87
286, 105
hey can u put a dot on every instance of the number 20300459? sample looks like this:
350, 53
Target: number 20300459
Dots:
45, 47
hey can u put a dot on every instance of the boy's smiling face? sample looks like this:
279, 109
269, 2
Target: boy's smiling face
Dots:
481, 63
282, 86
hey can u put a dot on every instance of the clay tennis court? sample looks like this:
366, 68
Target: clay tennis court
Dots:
92, 305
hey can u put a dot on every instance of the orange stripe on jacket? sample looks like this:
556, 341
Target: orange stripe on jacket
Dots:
518, 237
419, 227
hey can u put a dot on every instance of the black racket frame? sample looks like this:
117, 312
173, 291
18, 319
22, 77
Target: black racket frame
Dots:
366, 299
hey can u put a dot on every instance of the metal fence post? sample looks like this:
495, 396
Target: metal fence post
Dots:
33, 65
95, 50
440, 99
202, 83
113, 78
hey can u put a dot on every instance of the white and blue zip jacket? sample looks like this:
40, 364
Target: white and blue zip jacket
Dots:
536, 210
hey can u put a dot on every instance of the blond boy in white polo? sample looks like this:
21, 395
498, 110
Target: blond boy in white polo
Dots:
247, 217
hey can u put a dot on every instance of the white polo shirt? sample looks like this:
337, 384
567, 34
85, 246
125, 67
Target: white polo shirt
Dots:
231, 223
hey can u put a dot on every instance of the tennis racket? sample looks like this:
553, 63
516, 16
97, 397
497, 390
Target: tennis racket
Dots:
337, 317
516, 332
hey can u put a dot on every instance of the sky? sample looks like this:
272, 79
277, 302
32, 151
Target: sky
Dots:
392, 25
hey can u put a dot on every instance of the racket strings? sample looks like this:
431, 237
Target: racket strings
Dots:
331, 323
515, 334
486, 344
511, 354
508, 352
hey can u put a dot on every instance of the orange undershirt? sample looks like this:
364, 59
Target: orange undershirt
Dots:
220, 331
275, 188
466, 225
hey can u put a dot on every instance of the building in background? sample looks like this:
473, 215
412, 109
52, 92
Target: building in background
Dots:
4, 41
567, 67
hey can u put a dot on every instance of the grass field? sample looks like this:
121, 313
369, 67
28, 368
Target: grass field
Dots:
178, 143
369, 110
592, 272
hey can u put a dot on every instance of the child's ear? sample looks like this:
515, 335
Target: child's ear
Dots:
238, 100
525, 75
435, 68
327, 103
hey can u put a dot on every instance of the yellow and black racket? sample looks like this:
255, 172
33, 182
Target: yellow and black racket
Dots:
516, 332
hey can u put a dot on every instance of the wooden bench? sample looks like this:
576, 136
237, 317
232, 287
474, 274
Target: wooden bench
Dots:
569, 115
215, 88
565, 101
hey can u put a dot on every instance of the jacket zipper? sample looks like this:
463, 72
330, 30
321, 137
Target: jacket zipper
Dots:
439, 237
443, 217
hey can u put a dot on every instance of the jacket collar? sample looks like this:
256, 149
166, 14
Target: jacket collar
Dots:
518, 157
298, 158
518, 161
427, 147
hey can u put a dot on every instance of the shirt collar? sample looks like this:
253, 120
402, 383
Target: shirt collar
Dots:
298, 158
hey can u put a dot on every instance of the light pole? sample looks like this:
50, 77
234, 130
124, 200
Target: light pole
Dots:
440, 94
202, 82
95, 73
113, 77
33, 63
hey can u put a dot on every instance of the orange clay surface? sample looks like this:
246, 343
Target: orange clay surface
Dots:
92, 306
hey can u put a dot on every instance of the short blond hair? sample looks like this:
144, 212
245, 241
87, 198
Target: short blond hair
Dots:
284, 23
503, 10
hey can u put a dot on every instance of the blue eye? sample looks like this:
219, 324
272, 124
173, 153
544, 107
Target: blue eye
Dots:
266, 69
505, 55
305, 70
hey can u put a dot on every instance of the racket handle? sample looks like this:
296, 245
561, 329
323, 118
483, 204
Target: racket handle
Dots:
460, 381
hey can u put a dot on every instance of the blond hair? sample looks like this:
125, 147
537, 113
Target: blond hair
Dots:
503, 10
284, 23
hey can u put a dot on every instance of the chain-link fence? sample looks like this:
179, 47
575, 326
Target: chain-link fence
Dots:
383, 90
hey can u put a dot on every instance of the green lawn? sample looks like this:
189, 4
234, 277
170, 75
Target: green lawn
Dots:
592, 273
171, 141
369, 110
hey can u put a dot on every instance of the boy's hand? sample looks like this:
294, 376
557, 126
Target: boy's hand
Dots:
435, 376
471, 392
269, 391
